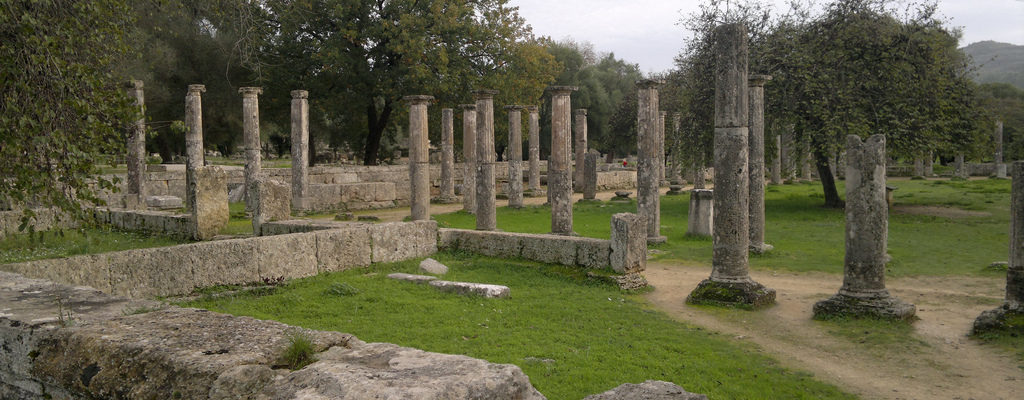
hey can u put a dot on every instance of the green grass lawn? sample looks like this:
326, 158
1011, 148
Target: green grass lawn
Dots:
573, 336
72, 242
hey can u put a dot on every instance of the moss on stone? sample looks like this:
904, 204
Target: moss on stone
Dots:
746, 295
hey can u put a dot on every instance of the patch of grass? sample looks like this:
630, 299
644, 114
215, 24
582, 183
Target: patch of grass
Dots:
73, 242
341, 289
1009, 339
888, 335
572, 335
299, 353
239, 223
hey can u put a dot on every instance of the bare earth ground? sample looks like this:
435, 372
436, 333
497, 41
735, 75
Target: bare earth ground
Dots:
944, 365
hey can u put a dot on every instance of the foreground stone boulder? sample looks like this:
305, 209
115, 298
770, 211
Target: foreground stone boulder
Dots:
649, 390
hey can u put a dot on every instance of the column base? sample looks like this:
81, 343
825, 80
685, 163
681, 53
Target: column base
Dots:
878, 305
656, 240
1007, 318
761, 248
446, 200
748, 294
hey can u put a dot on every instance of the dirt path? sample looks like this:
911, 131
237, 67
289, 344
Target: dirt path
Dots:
943, 364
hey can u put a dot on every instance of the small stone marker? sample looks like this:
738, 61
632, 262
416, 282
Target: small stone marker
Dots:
270, 201
432, 266
701, 216
649, 390
629, 243
480, 289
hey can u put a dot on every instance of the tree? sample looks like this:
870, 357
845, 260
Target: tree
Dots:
61, 109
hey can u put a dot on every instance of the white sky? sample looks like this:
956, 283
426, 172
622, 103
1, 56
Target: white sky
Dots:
646, 32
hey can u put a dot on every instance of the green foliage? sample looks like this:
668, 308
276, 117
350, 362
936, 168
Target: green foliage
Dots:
341, 289
300, 351
1005, 103
60, 108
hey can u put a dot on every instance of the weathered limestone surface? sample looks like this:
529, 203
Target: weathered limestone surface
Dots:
486, 219
251, 138
136, 160
777, 162
411, 277
270, 201
300, 149
155, 222
1013, 306
918, 167
648, 171
755, 160
110, 351
559, 249
589, 181
661, 147
194, 152
998, 136
730, 281
397, 241
959, 170
534, 180
164, 202
867, 221
469, 157
580, 146
447, 156
629, 243
701, 214
559, 164
515, 156
419, 157
929, 168
210, 207
432, 266
648, 390
479, 289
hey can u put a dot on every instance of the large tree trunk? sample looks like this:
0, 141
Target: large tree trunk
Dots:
376, 124
828, 182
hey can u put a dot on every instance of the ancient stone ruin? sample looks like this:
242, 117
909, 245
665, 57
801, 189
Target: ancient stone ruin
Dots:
515, 156
1013, 305
559, 164
419, 160
649, 167
756, 163
486, 219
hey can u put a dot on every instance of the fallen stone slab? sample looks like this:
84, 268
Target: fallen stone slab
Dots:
481, 289
649, 390
411, 277
432, 266
164, 202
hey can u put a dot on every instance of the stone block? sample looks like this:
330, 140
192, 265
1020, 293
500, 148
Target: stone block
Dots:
221, 262
210, 213
649, 390
554, 249
479, 289
701, 215
494, 244
432, 266
291, 256
399, 241
411, 278
165, 202
341, 249
271, 202
593, 253
150, 272
384, 191
628, 243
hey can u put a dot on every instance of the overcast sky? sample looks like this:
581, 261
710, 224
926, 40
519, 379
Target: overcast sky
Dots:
646, 32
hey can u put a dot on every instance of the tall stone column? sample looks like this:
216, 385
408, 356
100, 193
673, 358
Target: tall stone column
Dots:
447, 194
1000, 167
580, 134
194, 155
755, 159
1013, 306
867, 223
648, 168
469, 155
929, 167
676, 175
730, 281
419, 157
589, 181
661, 148
534, 150
486, 219
515, 156
960, 170
777, 162
136, 161
559, 164
300, 149
251, 139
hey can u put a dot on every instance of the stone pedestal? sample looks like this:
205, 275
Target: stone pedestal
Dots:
419, 157
209, 193
960, 169
648, 170
701, 215
730, 282
1013, 306
755, 159
863, 292
515, 156
559, 165
629, 243
447, 194
589, 181
998, 136
486, 219
469, 157
136, 160
580, 148
251, 138
777, 162
194, 154
534, 180
300, 149
270, 201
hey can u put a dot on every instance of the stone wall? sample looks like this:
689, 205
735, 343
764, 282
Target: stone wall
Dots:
176, 270
155, 222
104, 346
557, 249
46, 219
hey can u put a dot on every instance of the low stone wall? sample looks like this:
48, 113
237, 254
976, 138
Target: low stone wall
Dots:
557, 249
351, 196
156, 222
104, 346
176, 270
305, 225
45, 219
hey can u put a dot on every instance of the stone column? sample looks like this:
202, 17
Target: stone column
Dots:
755, 159
661, 148
194, 155
589, 181
918, 166
447, 194
486, 220
777, 162
867, 223
676, 175
807, 163
136, 160
730, 281
251, 139
1000, 167
419, 157
580, 146
515, 156
534, 150
701, 216
469, 155
1013, 306
559, 165
929, 168
648, 169
300, 149
699, 174
960, 170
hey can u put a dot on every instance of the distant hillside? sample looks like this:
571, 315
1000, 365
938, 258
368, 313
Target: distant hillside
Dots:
998, 62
